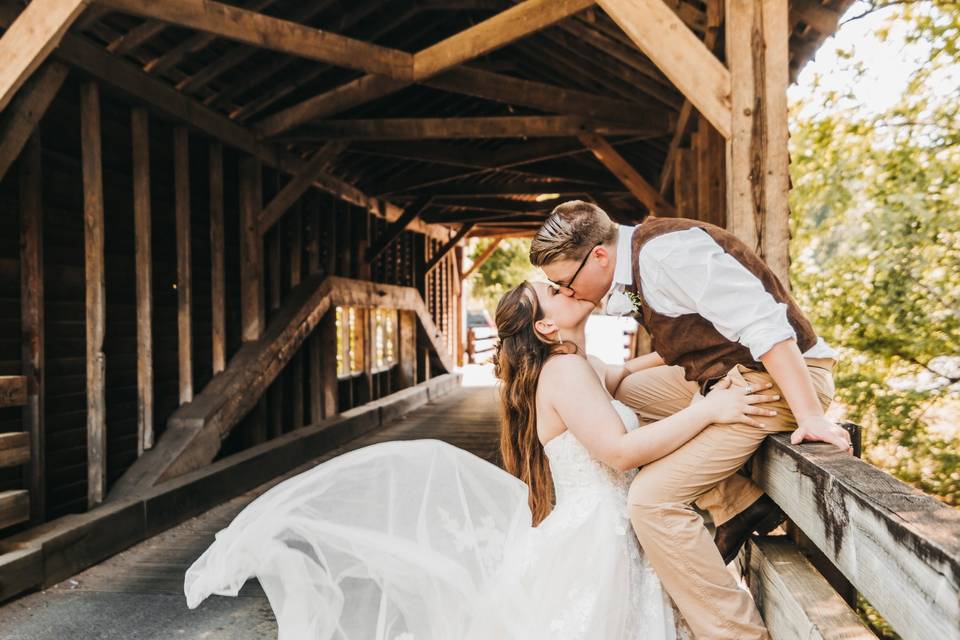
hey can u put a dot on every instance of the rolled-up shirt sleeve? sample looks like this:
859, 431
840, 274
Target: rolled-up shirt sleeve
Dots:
688, 272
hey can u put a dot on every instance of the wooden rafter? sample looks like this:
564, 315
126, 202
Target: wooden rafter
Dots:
267, 32
638, 186
683, 57
491, 34
545, 97
26, 110
685, 119
298, 185
30, 39
448, 247
398, 226
444, 128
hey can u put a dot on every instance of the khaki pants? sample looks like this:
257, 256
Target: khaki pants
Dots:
703, 471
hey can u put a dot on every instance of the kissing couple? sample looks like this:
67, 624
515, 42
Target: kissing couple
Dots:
590, 531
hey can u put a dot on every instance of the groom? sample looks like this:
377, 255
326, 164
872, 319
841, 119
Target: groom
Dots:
713, 308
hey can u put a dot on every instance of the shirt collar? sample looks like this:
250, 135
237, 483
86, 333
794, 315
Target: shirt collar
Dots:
623, 272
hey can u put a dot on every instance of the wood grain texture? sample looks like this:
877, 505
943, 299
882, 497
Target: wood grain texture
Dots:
181, 181
14, 507
95, 291
618, 166
143, 256
899, 547
23, 114
30, 39
679, 53
796, 602
14, 449
267, 32
218, 322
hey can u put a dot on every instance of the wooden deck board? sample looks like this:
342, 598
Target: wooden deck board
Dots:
139, 593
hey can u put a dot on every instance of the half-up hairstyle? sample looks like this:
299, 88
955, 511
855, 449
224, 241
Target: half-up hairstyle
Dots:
520, 355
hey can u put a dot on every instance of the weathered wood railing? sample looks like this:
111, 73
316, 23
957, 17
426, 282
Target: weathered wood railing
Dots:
898, 547
196, 429
14, 451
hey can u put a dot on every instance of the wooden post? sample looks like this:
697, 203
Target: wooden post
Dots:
217, 273
31, 319
252, 315
181, 179
407, 341
140, 138
275, 295
684, 185
327, 333
757, 160
295, 228
95, 291
314, 357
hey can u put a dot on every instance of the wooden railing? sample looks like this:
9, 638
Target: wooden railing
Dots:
14, 451
898, 547
196, 429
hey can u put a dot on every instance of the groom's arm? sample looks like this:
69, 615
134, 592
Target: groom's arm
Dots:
691, 273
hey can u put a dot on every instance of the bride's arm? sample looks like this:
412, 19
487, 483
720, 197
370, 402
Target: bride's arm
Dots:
570, 388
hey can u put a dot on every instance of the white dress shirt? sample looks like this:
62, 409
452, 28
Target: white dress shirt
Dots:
688, 272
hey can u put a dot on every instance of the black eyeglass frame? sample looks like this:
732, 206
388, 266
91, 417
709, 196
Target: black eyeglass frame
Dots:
569, 283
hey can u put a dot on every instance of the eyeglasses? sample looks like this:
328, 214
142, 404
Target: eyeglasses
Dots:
569, 283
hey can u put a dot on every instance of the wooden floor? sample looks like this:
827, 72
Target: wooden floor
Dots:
138, 594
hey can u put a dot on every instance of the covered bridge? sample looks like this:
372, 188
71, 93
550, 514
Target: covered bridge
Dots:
231, 241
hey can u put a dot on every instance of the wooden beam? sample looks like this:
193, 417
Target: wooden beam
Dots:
685, 184
143, 231
794, 599
26, 110
181, 180
295, 251
194, 43
252, 312
448, 247
218, 323
30, 39
136, 37
814, 15
266, 32
898, 547
472, 190
32, 325
637, 184
14, 507
545, 97
686, 118
682, 56
13, 391
298, 185
398, 226
195, 431
483, 257
493, 33
480, 127
14, 449
131, 80
95, 291
758, 161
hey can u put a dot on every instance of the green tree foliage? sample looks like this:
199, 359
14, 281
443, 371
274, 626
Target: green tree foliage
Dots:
876, 247
506, 268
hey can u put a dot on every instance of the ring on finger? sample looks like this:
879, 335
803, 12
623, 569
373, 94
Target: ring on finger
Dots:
749, 389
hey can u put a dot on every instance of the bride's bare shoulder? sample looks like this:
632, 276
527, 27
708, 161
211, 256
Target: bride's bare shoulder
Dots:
568, 368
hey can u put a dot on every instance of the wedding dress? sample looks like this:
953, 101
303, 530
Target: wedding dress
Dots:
419, 539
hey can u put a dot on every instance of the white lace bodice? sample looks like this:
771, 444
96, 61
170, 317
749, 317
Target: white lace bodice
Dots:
574, 470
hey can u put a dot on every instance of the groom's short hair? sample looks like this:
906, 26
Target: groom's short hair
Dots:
572, 229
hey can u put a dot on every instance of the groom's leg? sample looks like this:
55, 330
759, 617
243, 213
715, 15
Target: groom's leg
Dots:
659, 392
672, 534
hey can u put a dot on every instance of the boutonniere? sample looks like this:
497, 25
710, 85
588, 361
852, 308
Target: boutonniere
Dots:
636, 300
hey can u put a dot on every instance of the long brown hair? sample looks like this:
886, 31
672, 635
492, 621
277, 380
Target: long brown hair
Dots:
520, 355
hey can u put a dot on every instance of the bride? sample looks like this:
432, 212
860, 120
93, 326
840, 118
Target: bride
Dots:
420, 540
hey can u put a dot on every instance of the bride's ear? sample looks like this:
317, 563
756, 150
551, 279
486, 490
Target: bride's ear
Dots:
545, 327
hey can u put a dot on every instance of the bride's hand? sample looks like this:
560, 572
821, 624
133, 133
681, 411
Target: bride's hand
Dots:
731, 404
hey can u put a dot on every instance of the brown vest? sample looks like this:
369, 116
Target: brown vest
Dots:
691, 340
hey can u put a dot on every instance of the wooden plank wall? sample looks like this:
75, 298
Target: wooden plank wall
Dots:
322, 236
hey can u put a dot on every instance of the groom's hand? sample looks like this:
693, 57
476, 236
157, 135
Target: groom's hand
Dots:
820, 429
